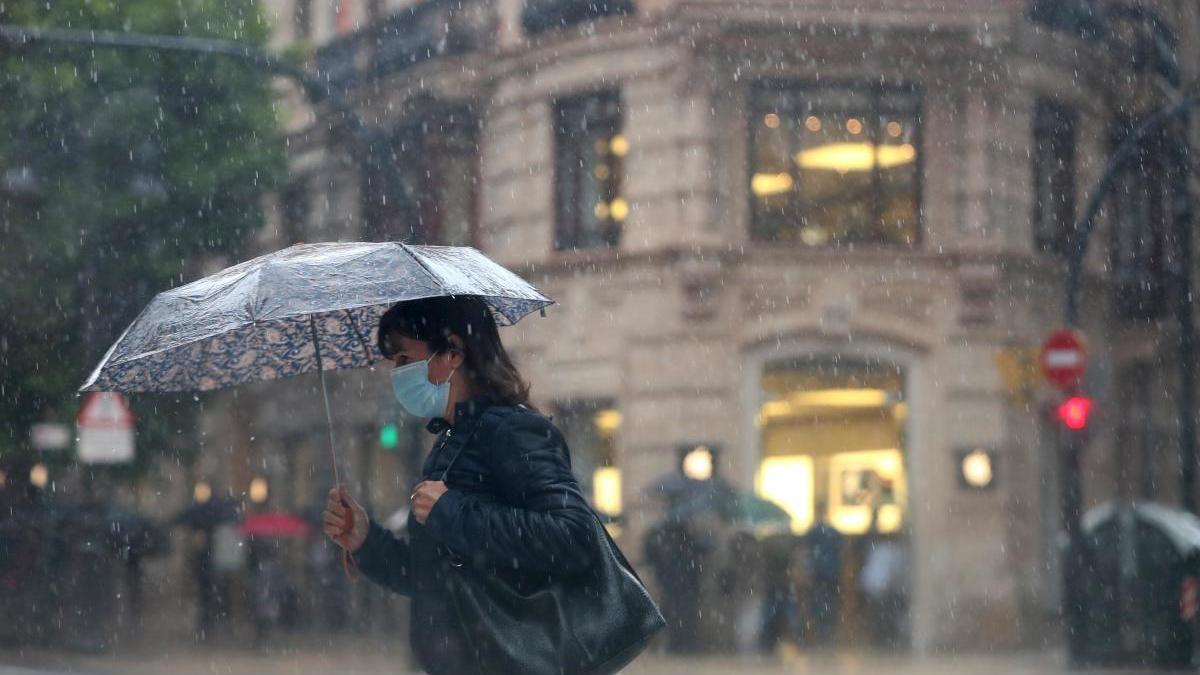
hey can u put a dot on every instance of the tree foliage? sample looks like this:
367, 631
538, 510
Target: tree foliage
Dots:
119, 171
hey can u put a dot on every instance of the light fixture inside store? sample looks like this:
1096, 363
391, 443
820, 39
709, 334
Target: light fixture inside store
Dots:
39, 475
788, 481
619, 145
847, 157
619, 209
976, 467
767, 184
840, 398
607, 421
258, 490
854, 126
202, 492
606, 490
771, 120
812, 123
698, 463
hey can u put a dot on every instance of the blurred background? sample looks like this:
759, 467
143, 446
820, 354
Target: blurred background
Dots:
812, 260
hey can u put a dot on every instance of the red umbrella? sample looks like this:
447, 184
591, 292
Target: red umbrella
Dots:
275, 525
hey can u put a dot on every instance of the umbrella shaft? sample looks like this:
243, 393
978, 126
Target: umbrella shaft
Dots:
312, 323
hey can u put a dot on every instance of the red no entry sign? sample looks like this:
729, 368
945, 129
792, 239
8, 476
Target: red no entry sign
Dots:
1064, 358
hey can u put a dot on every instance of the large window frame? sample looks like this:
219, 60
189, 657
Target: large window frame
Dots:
410, 198
589, 207
1053, 148
793, 101
1140, 207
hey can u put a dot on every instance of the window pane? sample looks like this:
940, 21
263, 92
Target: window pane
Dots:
836, 165
589, 152
1053, 177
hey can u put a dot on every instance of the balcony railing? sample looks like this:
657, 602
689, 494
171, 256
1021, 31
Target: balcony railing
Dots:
1077, 17
427, 30
540, 16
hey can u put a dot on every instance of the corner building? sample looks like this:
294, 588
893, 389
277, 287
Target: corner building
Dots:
819, 239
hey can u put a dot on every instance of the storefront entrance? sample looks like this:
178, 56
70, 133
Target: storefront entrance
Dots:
832, 435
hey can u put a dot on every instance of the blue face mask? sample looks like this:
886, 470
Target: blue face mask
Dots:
416, 394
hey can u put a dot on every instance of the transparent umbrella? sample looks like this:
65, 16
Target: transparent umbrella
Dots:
304, 308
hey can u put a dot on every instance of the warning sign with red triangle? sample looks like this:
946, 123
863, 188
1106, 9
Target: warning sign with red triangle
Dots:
105, 426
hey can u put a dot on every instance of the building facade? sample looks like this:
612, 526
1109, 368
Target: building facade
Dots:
820, 240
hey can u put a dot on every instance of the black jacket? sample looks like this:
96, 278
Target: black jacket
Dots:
513, 509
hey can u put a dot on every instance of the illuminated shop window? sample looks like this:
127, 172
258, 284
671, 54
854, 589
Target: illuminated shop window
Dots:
590, 149
835, 165
591, 427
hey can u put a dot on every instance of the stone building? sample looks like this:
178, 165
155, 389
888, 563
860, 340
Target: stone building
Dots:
820, 240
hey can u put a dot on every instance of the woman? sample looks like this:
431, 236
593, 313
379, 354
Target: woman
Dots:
497, 492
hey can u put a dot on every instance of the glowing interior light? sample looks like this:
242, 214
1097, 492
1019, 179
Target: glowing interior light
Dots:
766, 184
202, 492
977, 468
812, 123
619, 145
788, 481
619, 209
39, 475
258, 490
854, 126
606, 490
698, 464
608, 421
771, 120
845, 157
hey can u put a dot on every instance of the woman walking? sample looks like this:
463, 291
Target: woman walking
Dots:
507, 565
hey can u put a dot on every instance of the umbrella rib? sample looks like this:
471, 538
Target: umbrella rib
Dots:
361, 340
417, 258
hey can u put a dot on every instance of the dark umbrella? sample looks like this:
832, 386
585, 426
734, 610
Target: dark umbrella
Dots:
209, 514
308, 307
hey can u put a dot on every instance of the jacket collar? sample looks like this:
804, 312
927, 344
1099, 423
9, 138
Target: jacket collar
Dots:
463, 412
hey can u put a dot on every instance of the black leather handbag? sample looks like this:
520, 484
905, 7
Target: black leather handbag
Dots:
593, 623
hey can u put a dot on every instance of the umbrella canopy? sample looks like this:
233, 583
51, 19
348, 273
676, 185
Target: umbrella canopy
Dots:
284, 313
275, 524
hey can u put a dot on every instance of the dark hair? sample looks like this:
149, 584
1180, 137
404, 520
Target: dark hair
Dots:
434, 320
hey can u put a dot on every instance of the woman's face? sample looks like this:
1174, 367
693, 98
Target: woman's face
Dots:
411, 351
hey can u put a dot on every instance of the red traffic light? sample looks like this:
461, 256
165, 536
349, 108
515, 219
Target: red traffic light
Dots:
1073, 412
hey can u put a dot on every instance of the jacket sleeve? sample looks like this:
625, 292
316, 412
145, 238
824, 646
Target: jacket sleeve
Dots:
545, 526
384, 559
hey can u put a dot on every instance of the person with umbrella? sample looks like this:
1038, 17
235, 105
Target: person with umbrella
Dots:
504, 559
502, 497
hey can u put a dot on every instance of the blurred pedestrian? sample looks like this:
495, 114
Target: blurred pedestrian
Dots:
673, 553
882, 584
780, 613
824, 544
270, 590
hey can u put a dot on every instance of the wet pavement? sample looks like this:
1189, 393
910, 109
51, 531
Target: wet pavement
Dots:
363, 656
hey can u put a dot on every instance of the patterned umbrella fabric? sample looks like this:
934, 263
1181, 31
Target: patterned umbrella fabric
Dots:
265, 318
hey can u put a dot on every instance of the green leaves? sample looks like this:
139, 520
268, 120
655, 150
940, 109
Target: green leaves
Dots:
119, 169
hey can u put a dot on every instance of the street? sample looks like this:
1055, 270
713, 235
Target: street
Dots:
350, 658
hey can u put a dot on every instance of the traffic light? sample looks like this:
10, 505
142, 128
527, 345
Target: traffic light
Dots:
389, 436
1074, 412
